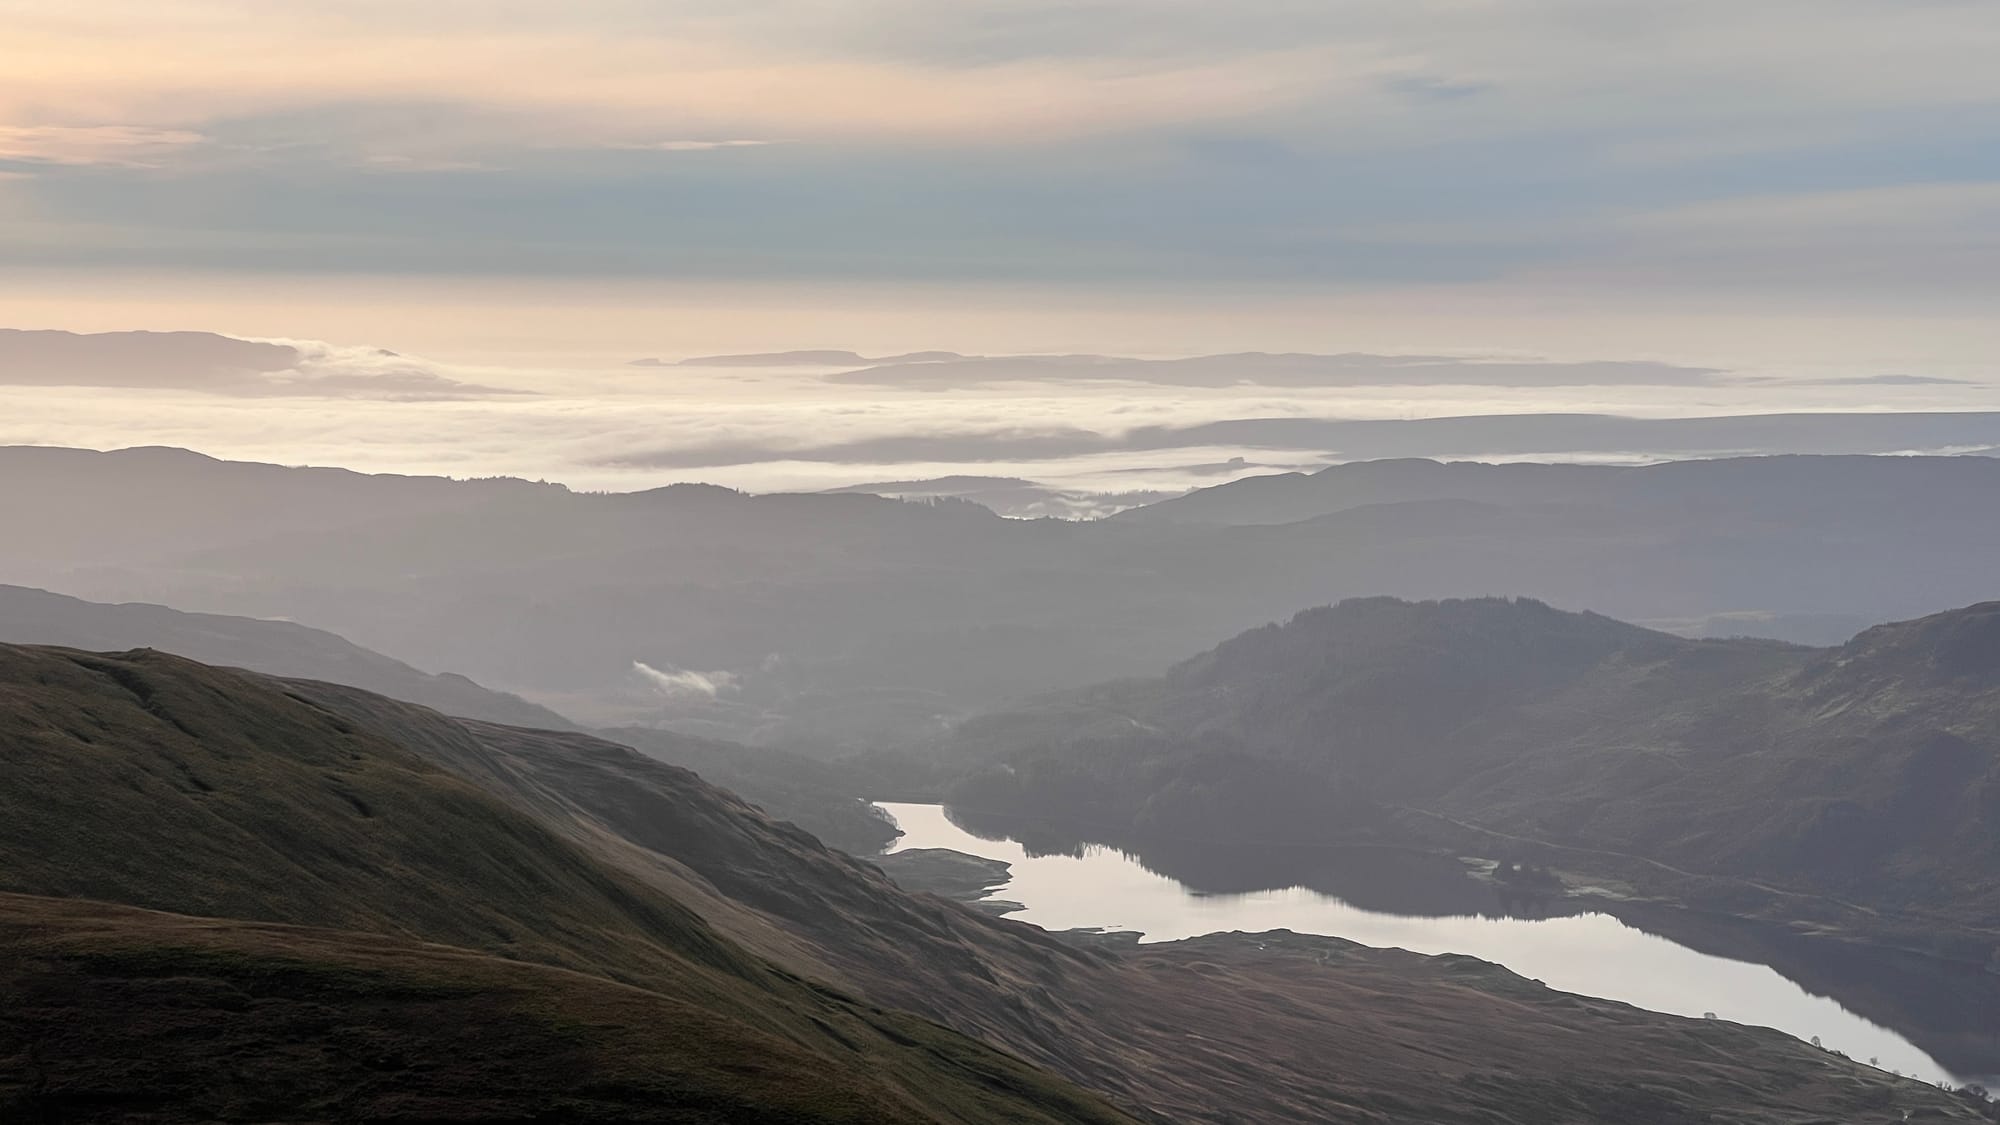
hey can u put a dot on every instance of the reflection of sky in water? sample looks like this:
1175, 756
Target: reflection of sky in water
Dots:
1593, 954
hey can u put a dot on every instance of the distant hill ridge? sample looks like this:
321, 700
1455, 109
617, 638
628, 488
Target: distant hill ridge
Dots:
1293, 497
276, 648
848, 622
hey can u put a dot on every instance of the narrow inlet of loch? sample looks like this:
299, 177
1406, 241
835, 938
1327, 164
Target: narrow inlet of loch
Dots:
1593, 954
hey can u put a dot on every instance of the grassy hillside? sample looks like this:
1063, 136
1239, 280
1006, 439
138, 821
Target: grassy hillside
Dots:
151, 781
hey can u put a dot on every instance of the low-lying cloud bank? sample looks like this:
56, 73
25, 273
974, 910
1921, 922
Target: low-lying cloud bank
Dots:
1017, 497
223, 365
683, 683
1484, 436
942, 369
1265, 369
1070, 436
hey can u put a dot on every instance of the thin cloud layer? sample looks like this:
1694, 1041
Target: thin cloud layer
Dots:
1267, 370
1060, 445
112, 146
1564, 436
1792, 149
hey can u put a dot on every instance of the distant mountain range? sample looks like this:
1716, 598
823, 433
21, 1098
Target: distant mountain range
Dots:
220, 365
198, 360
821, 357
1809, 488
235, 898
1293, 369
831, 623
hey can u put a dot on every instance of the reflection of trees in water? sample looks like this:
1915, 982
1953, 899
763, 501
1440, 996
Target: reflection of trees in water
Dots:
1950, 1011
1384, 880
1038, 838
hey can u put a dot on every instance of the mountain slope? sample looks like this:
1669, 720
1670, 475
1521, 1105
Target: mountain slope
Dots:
817, 796
813, 794
276, 648
154, 782
114, 1014
1870, 772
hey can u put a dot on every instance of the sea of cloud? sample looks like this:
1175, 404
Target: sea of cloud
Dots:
1078, 426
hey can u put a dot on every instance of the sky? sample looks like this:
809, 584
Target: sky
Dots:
1788, 189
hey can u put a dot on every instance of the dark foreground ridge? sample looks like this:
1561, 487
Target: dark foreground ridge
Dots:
119, 1014
461, 951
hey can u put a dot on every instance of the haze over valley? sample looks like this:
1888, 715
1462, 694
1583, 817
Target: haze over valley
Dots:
850, 621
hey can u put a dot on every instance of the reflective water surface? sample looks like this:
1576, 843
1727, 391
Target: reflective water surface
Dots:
1432, 904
